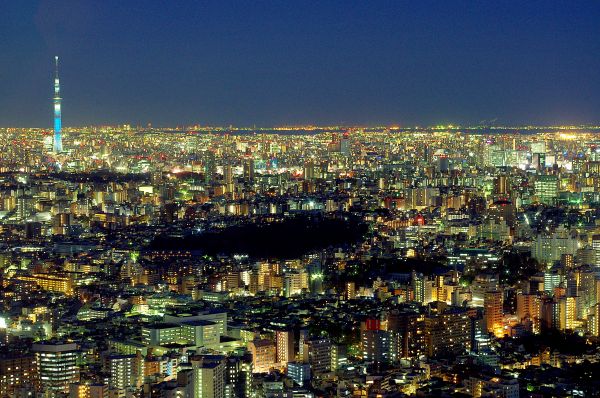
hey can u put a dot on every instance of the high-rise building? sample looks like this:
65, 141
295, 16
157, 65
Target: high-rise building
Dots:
210, 167
596, 248
594, 321
295, 282
249, 169
376, 345
285, 346
263, 355
57, 146
449, 332
546, 188
566, 312
339, 356
549, 248
309, 171
528, 310
57, 365
417, 284
25, 206
228, 174
124, 370
501, 185
208, 376
492, 302
407, 334
238, 377
16, 371
345, 144
299, 372
552, 279
317, 353
303, 336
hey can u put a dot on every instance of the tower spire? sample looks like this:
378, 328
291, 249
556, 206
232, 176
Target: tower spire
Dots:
57, 146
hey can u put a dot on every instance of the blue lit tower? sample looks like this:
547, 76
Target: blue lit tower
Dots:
57, 147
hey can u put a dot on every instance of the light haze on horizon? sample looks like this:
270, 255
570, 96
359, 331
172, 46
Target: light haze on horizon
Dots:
287, 63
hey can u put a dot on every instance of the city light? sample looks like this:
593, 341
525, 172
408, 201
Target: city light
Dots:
299, 200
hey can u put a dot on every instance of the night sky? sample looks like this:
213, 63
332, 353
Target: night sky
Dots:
291, 62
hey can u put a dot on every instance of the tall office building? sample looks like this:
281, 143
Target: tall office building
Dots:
238, 377
408, 338
57, 146
501, 185
209, 376
345, 144
376, 345
57, 366
546, 188
317, 353
493, 312
596, 248
594, 321
294, 283
284, 346
210, 166
567, 313
124, 370
449, 332
549, 248
299, 372
228, 174
249, 169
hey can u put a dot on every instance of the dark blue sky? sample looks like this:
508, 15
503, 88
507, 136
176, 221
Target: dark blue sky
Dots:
288, 62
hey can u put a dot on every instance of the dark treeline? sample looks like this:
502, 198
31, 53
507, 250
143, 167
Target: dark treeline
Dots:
100, 176
290, 238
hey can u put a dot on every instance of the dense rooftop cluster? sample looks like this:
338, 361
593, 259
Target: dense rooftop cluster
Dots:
293, 263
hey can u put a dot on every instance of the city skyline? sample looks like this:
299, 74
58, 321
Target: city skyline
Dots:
317, 199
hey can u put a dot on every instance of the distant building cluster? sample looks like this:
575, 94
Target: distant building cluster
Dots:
478, 274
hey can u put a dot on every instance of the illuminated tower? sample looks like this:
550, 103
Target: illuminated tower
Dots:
57, 147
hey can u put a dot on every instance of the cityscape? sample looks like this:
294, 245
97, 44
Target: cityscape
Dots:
299, 260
